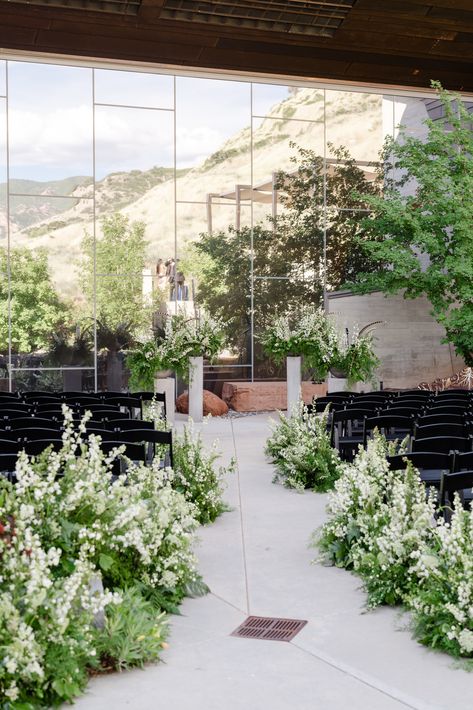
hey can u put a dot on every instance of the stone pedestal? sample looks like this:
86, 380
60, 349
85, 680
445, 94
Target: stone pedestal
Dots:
293, 376
196, 388
166, 385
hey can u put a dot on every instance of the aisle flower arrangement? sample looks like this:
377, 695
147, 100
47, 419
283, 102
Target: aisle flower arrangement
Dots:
180, 339
384, 525
88, 563
310, 333
299, 447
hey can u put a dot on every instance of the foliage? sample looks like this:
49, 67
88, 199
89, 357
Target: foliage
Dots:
354, 508
382, 525
180, 339
64, 525
307, 331
290, 247
390, 568
132, 634
117, 258
442, 604
422, 225
196, 476
356, 359
36, 309
299, 446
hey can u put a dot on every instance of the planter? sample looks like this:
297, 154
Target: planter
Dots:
196, 388
293, 376
335, 372
162, 374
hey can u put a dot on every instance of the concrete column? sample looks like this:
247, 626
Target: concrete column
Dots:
196, 388
293, 369
166, 385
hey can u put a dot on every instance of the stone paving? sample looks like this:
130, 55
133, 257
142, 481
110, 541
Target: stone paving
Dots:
256, 560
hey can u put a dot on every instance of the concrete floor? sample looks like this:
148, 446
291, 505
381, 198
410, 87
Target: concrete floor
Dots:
256, 560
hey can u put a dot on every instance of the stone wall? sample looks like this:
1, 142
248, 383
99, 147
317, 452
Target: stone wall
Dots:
408, 345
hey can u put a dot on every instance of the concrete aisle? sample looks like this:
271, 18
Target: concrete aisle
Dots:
256, 560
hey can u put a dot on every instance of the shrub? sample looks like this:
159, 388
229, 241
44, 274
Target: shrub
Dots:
196, 476
299, 446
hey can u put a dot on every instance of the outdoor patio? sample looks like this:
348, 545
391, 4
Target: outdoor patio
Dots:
256, 560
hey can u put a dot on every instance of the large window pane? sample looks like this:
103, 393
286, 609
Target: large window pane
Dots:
50, 124
212, 136
3, 70
356, 121
130, 88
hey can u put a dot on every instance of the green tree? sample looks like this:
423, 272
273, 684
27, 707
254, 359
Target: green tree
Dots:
299, 247
36, 309
120, 256
419, 236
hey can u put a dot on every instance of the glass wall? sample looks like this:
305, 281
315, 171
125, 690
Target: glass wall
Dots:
125, 195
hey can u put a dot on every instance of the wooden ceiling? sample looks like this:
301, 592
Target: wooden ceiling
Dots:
403, 42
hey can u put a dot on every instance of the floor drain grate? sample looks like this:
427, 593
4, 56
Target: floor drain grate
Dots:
269, 628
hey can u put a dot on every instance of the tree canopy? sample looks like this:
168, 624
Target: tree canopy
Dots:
36, 309
287, 258
120, 257
418, 238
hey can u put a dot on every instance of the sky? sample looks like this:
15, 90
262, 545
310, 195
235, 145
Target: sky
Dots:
51, 119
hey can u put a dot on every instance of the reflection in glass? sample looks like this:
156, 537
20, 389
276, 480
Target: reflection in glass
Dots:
53, 379
272, 296
130, 88
358, 122
3, 75
275, 144
213, 136
50, 125
3, 172
288, 102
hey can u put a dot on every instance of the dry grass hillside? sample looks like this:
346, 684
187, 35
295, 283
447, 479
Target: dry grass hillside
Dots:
354, 120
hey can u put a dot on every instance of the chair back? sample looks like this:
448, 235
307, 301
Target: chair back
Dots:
425, 431
442, 444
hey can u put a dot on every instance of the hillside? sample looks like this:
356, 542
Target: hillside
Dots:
353, 120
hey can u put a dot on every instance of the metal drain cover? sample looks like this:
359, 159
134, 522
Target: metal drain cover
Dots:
269, 628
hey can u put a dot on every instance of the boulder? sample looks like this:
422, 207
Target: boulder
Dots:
212, 404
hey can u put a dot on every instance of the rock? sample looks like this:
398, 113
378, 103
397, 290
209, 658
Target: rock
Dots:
264, 396
212, 404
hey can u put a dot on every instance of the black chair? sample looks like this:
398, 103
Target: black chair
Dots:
463, 462
33, 422
148, 396
132, 405
440, 410
442, 444
369, 398
9, 397
35, 398
415, 393
347, 431
105, 434
399, 411
8, 465
416, 403
8, 446
463, 402
391, 426
321, 403
49, 408
36, 447
451, 429
129, 424
10, 414
106, 394
459, 482
454, 393
35, 433
150, 436
369, 406
431, 465
426, 419
133, 451
103, 415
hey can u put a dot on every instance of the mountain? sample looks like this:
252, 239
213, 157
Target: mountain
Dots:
353, 119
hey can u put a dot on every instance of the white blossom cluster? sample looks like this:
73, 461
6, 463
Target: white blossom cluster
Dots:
63, 517
299, 446
386, 526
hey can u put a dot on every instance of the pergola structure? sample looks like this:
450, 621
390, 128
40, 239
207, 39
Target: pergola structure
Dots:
393, 42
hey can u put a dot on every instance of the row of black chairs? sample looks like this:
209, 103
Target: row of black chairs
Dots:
450, 473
